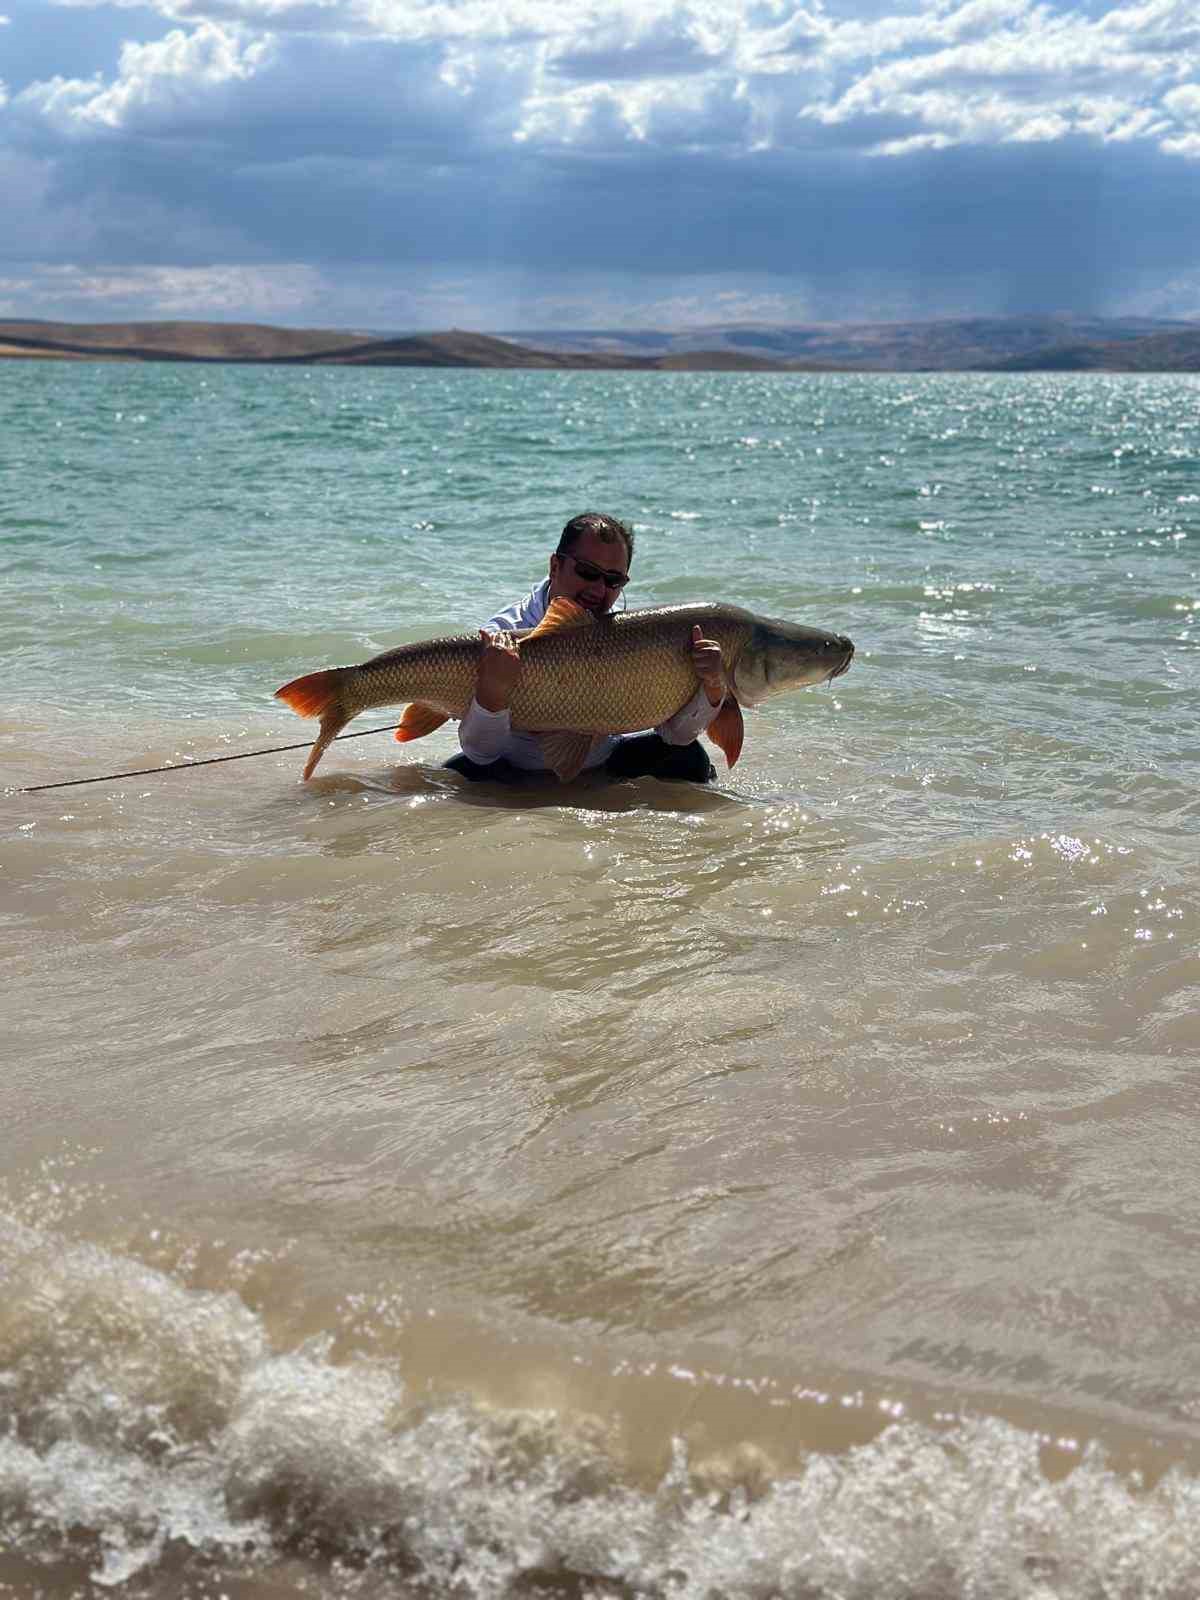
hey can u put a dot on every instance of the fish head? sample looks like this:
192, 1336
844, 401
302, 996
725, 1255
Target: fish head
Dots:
779, 656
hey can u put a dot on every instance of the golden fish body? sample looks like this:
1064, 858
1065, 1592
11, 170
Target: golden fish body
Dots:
581, 675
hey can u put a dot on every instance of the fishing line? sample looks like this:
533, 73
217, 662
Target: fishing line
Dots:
206, 761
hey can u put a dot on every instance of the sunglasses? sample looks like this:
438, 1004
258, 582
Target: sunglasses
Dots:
589, 573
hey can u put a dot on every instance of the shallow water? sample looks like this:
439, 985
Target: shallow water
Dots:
779, 1188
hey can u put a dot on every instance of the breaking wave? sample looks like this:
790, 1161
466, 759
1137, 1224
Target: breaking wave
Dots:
153, 1429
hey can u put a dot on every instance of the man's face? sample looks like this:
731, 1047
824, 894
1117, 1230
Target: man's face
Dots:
588, 588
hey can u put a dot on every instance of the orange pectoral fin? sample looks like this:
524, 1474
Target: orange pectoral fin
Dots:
728, 730
418, 720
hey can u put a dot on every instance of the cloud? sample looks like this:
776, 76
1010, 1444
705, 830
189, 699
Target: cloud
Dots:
790, 154
672, 71
1184, 103
156, 84
1033, 75
212, 292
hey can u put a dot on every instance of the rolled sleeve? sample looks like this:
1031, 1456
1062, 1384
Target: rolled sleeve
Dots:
484, 735
690, 721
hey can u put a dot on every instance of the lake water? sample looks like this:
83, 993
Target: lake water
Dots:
787, 1188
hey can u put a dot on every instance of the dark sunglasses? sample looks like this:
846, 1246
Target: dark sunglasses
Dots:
589, 573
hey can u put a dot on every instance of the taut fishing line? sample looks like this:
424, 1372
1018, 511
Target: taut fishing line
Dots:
205, 761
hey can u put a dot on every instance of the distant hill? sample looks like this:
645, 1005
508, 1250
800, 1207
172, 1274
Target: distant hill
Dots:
252, 343
1159, 352
991, 344
947, 344
171, 341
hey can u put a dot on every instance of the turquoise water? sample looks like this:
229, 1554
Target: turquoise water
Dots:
781, 1188
1013, 553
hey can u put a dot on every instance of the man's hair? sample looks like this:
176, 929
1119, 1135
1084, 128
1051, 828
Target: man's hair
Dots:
611, 529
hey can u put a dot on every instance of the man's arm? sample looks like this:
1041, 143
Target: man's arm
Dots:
690, 721
486, 728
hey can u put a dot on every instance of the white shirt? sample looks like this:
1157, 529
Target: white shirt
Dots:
485, 736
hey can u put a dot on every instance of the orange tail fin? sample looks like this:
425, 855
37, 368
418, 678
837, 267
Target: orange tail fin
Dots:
317, 694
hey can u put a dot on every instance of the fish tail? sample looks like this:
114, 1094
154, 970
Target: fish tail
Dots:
310, 695
318, 694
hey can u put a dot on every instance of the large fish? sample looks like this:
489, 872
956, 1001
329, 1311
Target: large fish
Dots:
581, 676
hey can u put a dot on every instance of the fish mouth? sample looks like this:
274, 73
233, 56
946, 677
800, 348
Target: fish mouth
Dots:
844, 664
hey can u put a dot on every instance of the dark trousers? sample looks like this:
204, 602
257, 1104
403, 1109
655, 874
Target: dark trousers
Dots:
646, 756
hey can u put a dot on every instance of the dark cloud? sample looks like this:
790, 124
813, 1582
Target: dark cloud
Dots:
1056, 227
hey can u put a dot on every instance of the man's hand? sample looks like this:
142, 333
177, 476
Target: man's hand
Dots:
706, 660
499, 669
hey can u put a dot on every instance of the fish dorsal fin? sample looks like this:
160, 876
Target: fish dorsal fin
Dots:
418, 720
565, 752
728, 730
561, 613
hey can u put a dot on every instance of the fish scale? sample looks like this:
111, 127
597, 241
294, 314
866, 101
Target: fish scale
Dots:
620, 673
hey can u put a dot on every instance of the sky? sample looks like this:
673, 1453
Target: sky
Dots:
524, 164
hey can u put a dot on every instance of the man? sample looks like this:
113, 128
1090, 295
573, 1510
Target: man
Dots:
591, 567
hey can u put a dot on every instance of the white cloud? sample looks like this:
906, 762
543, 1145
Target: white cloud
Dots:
739, 75
1184, 103
1184, 144
680, 113
156, 79
910, 146
931, 27
1107, 118
1040, 130
1002, 71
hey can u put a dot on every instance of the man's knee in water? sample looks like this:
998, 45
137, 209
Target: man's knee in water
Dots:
650, 756
501, 771
646, 756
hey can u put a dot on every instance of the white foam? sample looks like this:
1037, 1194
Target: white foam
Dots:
144, 1415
